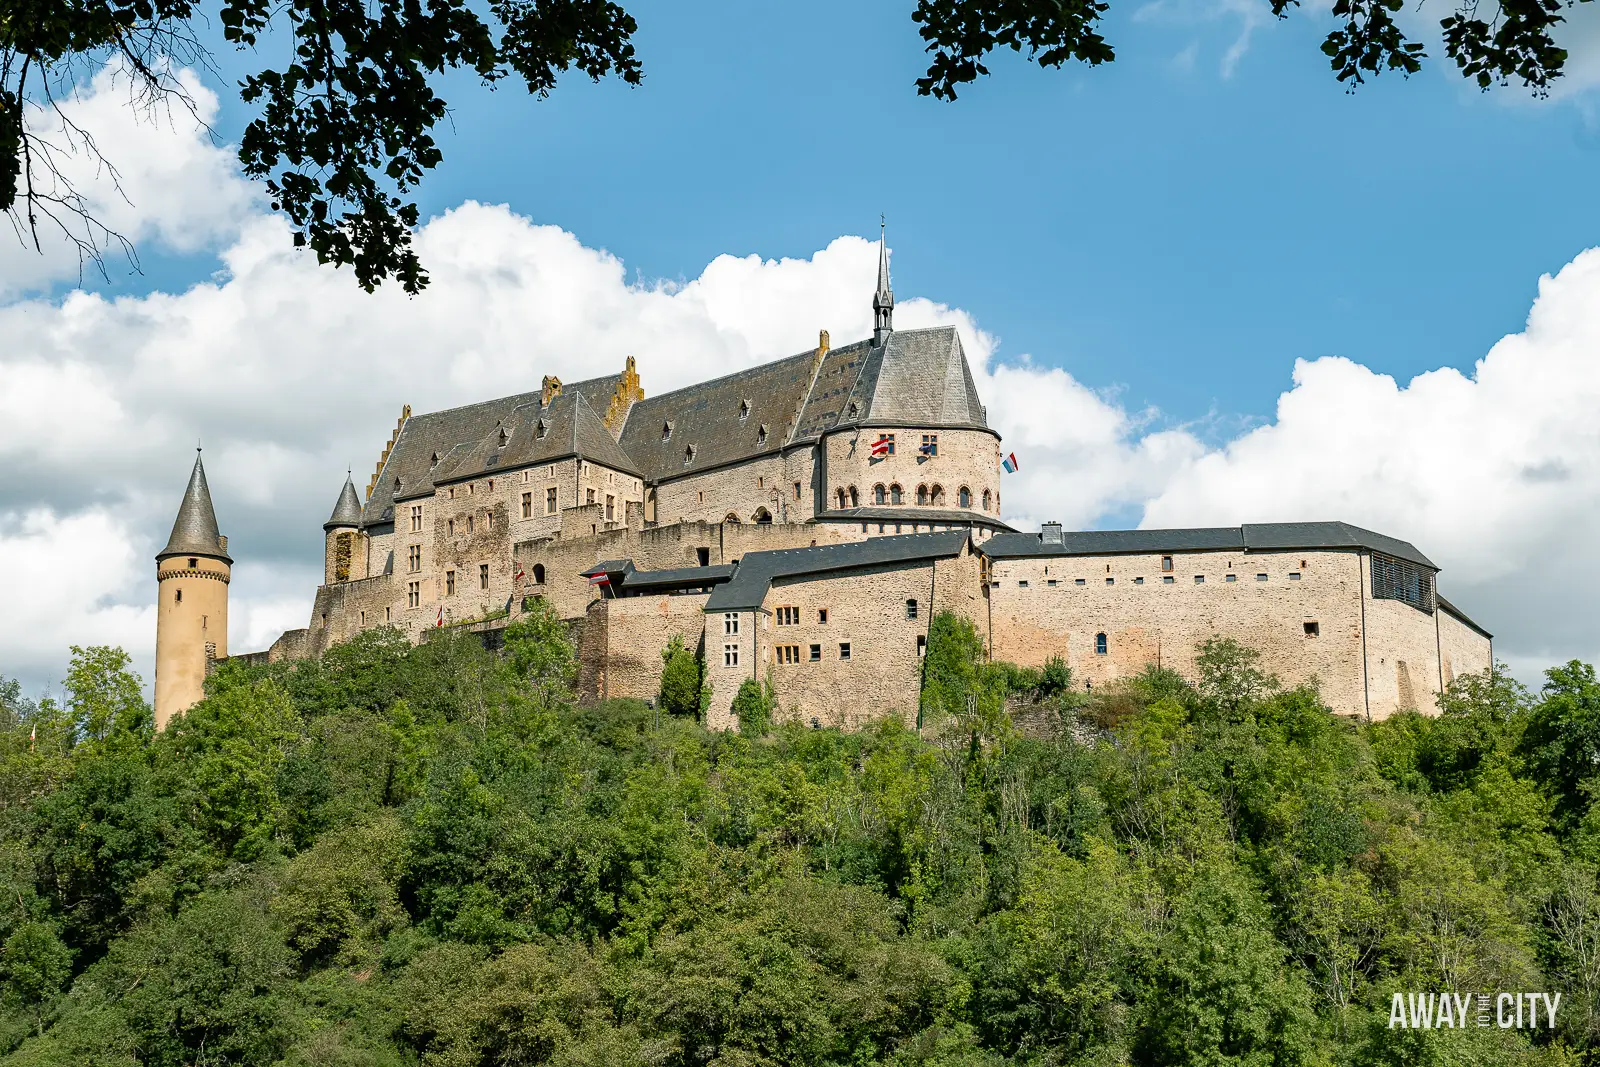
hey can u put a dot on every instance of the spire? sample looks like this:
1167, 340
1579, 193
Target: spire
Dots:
883, 299
194, 532
347, 512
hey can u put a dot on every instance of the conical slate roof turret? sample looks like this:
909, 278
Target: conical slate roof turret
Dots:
194, 532
347, 512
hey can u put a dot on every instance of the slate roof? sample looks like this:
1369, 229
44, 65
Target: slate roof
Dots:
1259, 537
757, 571
569, 427
677, 578
707, 418
1458, 613
347, 512
194, 531
451, 435
905, 515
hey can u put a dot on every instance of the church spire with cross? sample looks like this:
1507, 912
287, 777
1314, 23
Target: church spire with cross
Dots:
883, 299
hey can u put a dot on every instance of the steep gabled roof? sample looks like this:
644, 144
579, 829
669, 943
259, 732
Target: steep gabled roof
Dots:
534, 434
451, 435
194, 531
756, 572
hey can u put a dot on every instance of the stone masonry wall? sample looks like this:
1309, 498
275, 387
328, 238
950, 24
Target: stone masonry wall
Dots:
968, 458
1463, 649
620, 653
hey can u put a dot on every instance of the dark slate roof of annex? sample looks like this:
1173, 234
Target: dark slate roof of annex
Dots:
445, 432
758, 570
678, 577
1259, 537
905, 515
194, 530
1458, 613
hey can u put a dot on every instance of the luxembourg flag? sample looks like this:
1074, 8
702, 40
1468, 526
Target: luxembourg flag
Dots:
1010, 463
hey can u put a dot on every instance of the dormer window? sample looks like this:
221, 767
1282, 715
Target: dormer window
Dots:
688, 455
542, 429
761, 436
434, 461
666, 431
744, 410
504, 437
397, 485
854, 410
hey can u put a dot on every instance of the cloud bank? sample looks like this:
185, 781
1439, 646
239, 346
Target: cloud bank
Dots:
290, 374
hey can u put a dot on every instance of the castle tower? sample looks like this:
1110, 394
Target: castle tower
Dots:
192, 575
345, 556
883, 299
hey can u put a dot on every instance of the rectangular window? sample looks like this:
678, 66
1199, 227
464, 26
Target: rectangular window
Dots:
416, 519
702, 556
414, 594
730, 623
469, 524
1111, 581
386, 614
930, 444
788, 616
1261, 577
730, 655
1022, 583
1312, 629
816, 653
550, 501
911, 609
761, 483
488, 520
1294, 576
449, 527
787, 653
822, 616
414, 558
889, 440
363, 619
588, 496
1138, 581
922, 645
1199, 579
483, 576
1166, 563
797, 490
1231, 578
1167, 579
527, 505
449, 583
611, 507
1397, 579
1080, 581
700, 497
844, 649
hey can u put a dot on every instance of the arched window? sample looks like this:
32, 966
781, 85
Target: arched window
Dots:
839, 495
964, 497
986, 500
762, 516
855, 501
879, 495
922, 494
894, 494
731, 517
538, 574
1099, 644
936, 497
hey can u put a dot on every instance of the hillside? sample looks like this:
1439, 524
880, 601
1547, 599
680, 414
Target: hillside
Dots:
395, 855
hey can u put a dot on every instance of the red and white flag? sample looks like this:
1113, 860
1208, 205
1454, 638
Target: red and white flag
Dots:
600, 579
518, 576
440, 620
880, 447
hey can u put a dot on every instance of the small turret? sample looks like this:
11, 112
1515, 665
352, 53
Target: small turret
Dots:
883, 299
192, 576
344, 551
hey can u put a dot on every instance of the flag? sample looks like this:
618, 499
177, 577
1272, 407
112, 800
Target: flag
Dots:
600, 579
518, 576
1010, 463
880, 447
440, 620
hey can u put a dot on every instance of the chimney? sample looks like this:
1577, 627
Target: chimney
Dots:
551, 390
1050, 533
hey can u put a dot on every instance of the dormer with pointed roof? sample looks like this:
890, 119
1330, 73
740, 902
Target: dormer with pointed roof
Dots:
194, 531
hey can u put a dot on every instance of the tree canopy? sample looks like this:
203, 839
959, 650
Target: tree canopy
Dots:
396, 855
343, 131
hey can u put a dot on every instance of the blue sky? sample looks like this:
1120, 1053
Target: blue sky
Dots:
1155, 226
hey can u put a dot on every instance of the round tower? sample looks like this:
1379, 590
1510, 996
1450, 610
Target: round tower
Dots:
344, 555
192, 575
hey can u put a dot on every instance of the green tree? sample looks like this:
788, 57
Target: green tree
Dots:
681, 681
1562, 741
752, 706
104, 695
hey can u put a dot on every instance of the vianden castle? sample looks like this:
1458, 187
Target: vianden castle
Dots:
802, 522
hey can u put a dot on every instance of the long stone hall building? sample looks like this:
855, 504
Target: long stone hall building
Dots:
803, 521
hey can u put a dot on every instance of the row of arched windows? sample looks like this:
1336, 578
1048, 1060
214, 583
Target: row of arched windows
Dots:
927, 496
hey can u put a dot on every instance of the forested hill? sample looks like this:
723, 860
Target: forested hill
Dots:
400, 855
